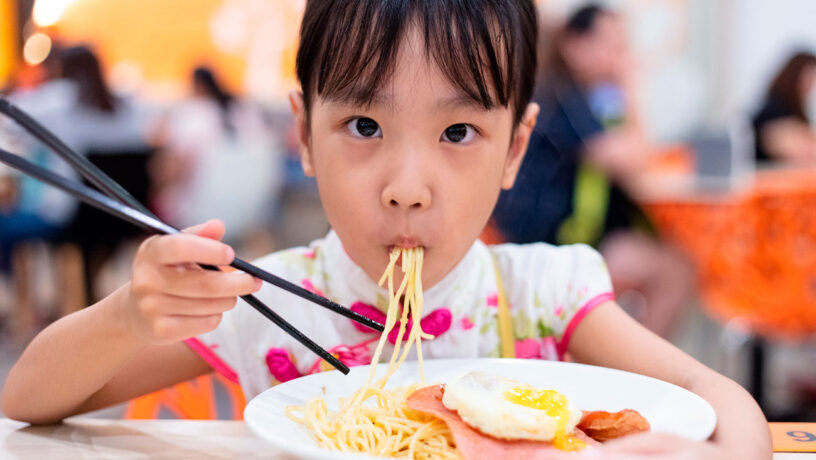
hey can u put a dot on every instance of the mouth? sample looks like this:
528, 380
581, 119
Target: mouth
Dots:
405, 242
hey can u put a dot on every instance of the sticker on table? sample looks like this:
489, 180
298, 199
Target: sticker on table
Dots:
793, 437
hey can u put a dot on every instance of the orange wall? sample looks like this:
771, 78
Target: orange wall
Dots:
8, 39
165, 38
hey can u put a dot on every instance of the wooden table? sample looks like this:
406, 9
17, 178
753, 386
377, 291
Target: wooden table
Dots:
115, 439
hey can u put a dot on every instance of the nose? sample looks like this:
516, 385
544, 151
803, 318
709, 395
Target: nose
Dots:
408, 187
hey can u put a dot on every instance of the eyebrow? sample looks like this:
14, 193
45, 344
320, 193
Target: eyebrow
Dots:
459, 101
359, 96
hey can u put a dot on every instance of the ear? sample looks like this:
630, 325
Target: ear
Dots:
301, 125
518, 146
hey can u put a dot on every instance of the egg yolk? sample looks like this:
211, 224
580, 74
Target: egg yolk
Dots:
553, 404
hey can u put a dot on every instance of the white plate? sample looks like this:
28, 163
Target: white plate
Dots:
667, 407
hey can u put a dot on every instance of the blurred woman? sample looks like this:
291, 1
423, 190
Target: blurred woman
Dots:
219, 160
782, 127
588, 142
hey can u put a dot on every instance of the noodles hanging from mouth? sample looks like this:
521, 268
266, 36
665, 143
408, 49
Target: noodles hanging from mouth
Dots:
387, 427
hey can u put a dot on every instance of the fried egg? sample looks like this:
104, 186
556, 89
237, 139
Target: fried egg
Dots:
508, 409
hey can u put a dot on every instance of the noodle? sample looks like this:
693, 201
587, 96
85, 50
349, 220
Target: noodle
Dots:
387, 427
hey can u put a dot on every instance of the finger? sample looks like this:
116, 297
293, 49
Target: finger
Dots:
213, 229
182, 327
205, 284
185, 248
185, 306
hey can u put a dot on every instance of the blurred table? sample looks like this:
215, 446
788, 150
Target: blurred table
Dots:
114, 439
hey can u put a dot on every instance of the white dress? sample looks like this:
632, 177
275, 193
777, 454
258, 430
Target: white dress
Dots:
549, 290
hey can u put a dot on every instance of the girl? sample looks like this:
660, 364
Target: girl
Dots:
412, 116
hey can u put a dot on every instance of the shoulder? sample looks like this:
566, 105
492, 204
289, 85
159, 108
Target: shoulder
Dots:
546, 270
544, 256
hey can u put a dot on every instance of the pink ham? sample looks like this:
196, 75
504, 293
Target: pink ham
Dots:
471, 443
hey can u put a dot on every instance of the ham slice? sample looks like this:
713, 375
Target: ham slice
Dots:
471, 443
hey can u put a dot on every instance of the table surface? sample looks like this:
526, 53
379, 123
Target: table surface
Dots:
113, 439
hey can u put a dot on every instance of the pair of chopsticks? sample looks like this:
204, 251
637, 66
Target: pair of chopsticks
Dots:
118, 202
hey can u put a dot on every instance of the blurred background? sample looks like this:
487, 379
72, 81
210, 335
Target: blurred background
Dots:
676, 136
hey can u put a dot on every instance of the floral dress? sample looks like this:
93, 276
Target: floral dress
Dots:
548, 289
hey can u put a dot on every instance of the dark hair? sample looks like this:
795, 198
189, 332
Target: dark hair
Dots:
580, 23
205, 79
80, 65
583, 20
348, 48
785, 88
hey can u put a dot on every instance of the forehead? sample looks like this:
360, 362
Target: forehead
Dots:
416, 80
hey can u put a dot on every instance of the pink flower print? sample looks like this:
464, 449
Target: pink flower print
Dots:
350, 355
307, 284
280, 365
392, 336
549, 350
528, 349
368, 311
435, 323
559, 310
493, 300
310, 254
466, 324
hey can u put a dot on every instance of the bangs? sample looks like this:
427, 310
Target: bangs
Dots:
485, 48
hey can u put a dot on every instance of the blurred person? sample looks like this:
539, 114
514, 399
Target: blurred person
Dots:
76, 104
587, 144
213, 143
782, 126
29, 210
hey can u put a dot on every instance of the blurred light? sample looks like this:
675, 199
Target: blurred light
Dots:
48, 12
36, 48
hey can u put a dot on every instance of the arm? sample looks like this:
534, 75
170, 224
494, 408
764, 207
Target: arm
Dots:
128, 344
742, 431
789, 139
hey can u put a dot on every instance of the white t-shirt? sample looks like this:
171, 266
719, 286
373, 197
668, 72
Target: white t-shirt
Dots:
549, 290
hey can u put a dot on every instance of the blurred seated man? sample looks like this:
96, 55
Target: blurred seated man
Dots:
587, 143
782, 127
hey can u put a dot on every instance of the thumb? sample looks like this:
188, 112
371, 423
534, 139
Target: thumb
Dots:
213, 229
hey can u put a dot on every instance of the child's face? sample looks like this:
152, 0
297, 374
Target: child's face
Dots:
422, 166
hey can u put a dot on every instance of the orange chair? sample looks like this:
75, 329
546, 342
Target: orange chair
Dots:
190, 400
755, 255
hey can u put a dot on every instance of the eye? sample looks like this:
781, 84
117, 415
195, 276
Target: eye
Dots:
459, 133
364, 127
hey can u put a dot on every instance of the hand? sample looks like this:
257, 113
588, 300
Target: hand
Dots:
653, 446
170, 298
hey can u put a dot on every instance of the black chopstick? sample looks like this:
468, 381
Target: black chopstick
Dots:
102, 202
113, 190
81, 164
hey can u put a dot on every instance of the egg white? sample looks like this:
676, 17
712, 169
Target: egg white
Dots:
479, 399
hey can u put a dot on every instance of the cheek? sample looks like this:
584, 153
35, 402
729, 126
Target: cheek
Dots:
477, 186
341, 182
